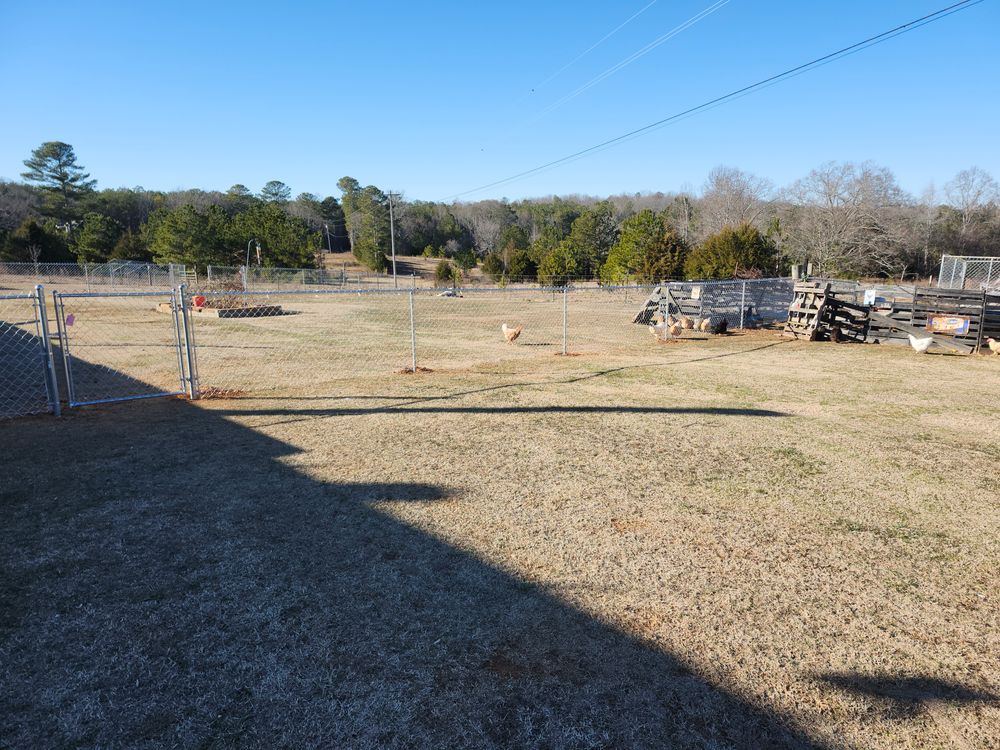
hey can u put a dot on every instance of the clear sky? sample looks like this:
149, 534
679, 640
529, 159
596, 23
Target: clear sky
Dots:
435, 98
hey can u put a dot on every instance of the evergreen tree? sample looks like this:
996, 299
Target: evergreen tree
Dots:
732, 253
53, 167
96, 240
648, 248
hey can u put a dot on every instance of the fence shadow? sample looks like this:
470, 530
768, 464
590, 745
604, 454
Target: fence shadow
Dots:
169, 580
908, 696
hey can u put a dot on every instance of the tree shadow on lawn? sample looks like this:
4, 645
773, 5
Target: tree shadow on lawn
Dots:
169, 581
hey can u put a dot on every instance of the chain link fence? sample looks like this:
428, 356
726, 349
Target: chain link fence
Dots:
969, 272
261, 278
114, 346
305, 341
120, 346
27, 374
89, 276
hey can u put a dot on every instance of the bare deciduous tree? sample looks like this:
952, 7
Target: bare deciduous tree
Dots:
731, 198
974, 194
845, 218
17, 203
485, 221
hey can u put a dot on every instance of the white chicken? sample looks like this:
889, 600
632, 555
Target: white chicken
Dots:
510, 333
920, 346
994, 345
659, 330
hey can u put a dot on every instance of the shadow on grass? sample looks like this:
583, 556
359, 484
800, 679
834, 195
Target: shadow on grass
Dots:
170, 581
908, 696
554, 409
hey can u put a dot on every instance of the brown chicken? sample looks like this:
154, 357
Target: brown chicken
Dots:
511, 333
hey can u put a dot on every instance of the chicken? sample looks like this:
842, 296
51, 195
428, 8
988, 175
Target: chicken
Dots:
676, 329
994, 345
920, 345
658, 329
511, 333
686, 322
721, 327
705, 324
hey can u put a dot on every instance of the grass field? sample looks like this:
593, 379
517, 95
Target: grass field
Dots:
737, 542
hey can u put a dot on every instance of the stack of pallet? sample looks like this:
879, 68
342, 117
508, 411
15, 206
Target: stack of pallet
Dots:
817, 314
844, 321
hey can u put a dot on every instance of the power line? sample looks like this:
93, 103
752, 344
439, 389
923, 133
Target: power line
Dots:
738, 93
662, 39
598, 43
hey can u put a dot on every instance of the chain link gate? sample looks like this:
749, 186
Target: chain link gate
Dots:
27, 375
125, 346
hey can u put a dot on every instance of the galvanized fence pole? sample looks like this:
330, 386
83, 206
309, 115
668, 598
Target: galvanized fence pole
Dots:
48, 363
60, 310
413, 336
743, 304
565, 318
189, 344
175, 312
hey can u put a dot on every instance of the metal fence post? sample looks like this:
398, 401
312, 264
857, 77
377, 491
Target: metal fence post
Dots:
189, 345
565, 318
743, 304
48, 364
60, 311
413, 336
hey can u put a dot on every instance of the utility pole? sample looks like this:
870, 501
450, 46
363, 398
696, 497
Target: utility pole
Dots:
329, 247
392, 241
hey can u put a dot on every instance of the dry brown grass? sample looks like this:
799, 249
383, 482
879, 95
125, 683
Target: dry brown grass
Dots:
740, 542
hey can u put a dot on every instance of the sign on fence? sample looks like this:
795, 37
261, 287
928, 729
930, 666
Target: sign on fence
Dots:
948, 325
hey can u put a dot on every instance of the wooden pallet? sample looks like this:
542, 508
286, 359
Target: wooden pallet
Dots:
806, 311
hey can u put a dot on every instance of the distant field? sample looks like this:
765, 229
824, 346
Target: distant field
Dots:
729, 542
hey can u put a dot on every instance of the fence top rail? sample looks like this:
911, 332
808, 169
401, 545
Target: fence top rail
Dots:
168, 292
30, 295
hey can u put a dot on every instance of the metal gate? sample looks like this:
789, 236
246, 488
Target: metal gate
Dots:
123, 346
27, 375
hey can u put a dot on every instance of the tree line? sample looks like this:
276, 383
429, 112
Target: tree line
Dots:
845, 219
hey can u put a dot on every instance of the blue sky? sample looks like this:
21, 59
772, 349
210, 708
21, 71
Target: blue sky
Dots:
433, 99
